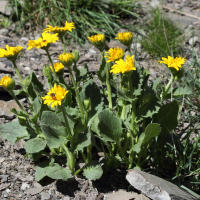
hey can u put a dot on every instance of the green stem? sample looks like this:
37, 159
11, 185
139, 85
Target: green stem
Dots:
84, 157
65, 118
17, 71
108, 85
89, 153
123, 110
70, 158
133, 102
78, 99
169, 84
54, 72
129, 49
17, 101
63, 44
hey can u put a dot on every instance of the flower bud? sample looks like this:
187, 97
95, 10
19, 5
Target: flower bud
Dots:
8, 83
76, 55
98, 41
47, 71
27, 81
87, 104
66, 59
59, 69
125, 38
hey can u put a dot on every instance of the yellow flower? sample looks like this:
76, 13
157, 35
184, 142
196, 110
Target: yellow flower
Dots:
66, 59
176, 63
10, 53
55, 96
125, 38
8, 83
98, 41
43, 42
115, 54
60, 30
58, 67
121, 66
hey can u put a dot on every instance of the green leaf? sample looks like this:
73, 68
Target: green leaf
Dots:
50, 118
35, 145
93, 170
110, 126
35, 156
187, 90
13, 132
58, 172
151, 131
41, 170
156, 84
55, 136
68, 100
168, 116
37, 85
37, 105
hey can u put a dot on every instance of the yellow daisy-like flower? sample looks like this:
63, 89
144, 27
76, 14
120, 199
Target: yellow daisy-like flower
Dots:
55, 96
8, 83
66, 59
98, 41
176, 63
60, 30
10, 53
122, 66
58, 67
125, 38
115, 54
43, 42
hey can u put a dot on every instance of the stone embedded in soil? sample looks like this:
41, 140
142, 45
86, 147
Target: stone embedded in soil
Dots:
5, 108
34, 191
155, 187
123, 195
4, 186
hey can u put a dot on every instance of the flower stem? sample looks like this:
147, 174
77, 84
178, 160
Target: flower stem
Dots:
65, 118
129, 49
17, 101
17, 71
54, 72
70, 158
108, 85
169, 84
63, 44
77, 97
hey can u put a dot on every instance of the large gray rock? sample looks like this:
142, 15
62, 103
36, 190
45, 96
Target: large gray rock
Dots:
4, 8
123, 195
155, 187
5, 108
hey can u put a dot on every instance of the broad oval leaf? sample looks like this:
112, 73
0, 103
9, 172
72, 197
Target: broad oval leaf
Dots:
35, 145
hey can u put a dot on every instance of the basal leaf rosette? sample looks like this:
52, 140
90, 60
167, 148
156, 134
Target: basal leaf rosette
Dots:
114, 54
7, 83
55, 96
43, 42
59, 68
175, 65
10, 53
125, 38
66, 59
98, 41
60, 30
122, 66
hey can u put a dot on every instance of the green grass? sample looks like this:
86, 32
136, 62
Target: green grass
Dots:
90, 16
163, 36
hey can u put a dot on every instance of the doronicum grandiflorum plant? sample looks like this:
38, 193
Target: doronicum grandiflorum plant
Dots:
123, 118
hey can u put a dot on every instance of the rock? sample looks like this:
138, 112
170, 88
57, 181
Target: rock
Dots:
193, 40
155, 3
92, 51
24, 186
1, 160
115, 44
5, 108
27, 68
155, 187
45, 195
4, 178
33, 191
4, 8
4, 31
119, 195
137, 47
24, 39
4, 186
